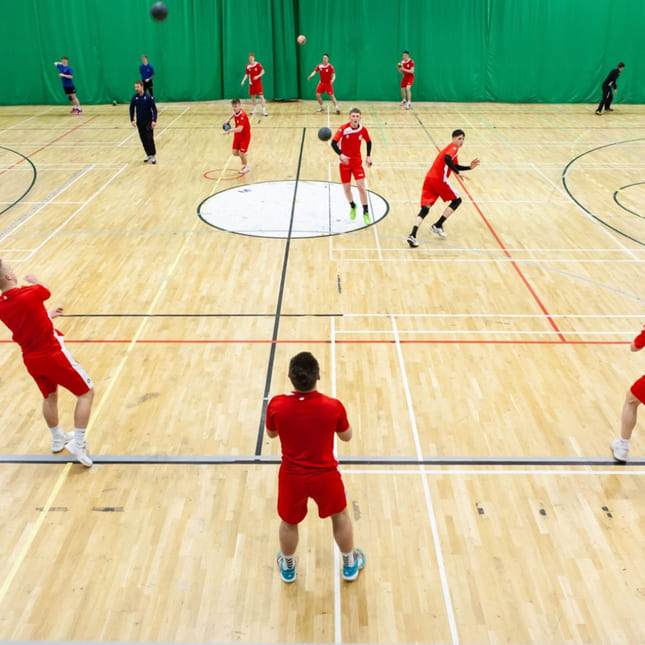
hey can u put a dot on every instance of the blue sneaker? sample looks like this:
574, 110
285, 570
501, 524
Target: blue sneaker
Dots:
351, 573
287, 575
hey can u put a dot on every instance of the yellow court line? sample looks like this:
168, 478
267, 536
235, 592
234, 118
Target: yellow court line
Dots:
63, 476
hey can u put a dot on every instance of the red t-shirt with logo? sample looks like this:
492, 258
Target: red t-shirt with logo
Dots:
350, 141
306, 424
439, 171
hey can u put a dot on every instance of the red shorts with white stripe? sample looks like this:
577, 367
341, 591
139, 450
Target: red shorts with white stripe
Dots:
347, 170
432, 190
255, 88
58, 368
294, 490
638, 389
407, 80
241, 143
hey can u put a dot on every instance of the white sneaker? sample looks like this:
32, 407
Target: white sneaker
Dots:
60, 439
320, 109
80, 452
265, 113
147, 159
403, 102
244, 170
408, 105
254, 111
439, 231
337, 109
412, 241
619, 450
153, 160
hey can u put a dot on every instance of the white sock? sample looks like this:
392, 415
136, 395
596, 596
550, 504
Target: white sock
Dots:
348, 559
289, 561
79, 436
624, 442
56, 430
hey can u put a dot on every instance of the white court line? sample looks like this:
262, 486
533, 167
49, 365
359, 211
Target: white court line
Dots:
119, 145
73, 215
158, 136
452, 249
498, 315
28, 203
492, 332
619, 470
426, 491
15, 125
374, 227
20, 222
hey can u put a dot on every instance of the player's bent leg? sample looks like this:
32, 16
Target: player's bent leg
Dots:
83, 409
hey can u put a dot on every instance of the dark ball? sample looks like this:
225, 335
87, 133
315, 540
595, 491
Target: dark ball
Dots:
324, 134
159, 11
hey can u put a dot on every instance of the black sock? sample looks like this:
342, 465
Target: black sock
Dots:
352, 204
365, 208
440, 221
414, 231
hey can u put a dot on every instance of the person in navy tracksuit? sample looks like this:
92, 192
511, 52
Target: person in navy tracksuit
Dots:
146, 110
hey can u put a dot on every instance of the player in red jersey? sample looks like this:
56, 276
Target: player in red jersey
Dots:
326, 84
23, 311
254, 72
347, 145
436, 185
406, 69
242, 132
635, 396
306, 422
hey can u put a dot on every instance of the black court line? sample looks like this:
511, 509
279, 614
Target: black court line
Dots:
639, 183
586, 210
33, 178
278, 309
219, 460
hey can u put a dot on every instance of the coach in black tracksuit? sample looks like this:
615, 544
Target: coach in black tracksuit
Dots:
609, 88
146, 120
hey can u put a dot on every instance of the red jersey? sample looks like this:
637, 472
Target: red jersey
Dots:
242, 120
639, 341
306, 424
439, 171
350, 140
22, 309
407, 65
325, 71
253, 71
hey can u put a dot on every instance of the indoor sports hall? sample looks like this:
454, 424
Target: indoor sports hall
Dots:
483, 374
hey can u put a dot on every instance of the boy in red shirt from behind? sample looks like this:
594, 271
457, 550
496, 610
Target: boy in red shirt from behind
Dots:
306, 422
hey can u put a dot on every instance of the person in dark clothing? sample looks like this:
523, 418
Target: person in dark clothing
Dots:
609, 88
147, 72
146, 120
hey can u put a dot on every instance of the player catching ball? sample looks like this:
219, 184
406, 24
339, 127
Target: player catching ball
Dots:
347, 145
436, 185
406, 69
242, 132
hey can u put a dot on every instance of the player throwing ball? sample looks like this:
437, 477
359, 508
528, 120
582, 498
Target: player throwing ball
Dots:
347, 145
436, 185
242, 132
406, 69
326, 84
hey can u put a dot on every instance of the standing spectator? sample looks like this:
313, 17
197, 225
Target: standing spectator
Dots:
147, 73
254, 72
67, 77
306, 422
144, 104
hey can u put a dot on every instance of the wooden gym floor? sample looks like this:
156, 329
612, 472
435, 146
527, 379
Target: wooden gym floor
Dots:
483, 374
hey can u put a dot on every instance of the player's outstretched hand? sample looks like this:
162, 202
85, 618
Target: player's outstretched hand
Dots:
54, 313
31, 278
474, 163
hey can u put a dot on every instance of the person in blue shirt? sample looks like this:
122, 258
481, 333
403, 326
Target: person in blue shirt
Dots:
147, 72
146, 110
67, 76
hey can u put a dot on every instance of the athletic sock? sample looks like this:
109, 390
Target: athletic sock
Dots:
365, 208
348, 559
289, 561
440, 221
79, 436
414, 231
55, 430
352, 204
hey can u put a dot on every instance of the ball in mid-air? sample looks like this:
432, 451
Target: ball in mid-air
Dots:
159, 11
301, 39
324, 134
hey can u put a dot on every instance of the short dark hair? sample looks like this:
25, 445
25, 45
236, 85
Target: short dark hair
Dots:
304, 371
405, 51
457, 133
236, 102
621, 64
326, 55
139, 83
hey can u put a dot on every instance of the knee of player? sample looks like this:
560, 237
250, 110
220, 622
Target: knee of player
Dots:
454, 204
424, 211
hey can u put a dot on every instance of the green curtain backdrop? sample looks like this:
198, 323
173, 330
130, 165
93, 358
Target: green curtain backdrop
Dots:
551, 51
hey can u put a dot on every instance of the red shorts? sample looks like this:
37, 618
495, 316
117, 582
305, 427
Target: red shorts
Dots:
241, 143
58, 368
326, 489
255, 88
407, 80
638, 389
352, 168
433, 189
325, 88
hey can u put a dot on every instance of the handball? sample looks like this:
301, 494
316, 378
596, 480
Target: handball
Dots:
159, 11
226, 127
301, 39
324, 134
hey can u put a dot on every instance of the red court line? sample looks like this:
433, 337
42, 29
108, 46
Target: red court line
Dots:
80, 125
358, 341
514, 263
